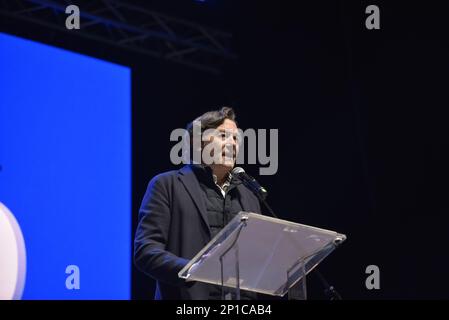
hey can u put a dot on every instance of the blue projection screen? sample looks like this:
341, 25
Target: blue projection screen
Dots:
65, 157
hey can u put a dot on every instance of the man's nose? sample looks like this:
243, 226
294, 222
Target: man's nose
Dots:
230, 140
230, 145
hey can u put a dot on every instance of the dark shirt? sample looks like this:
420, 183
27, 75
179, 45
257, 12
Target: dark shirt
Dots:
220, 210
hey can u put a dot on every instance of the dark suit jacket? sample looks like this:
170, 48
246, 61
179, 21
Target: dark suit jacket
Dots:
173, 228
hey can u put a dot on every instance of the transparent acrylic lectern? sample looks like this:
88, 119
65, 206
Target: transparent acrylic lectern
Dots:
262, 254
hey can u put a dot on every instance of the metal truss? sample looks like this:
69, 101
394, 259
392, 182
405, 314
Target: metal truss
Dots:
133, 28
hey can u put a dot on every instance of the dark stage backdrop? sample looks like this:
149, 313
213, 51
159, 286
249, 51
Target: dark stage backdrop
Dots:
362, 118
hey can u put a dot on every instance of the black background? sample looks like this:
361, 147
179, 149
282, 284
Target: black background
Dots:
362, 118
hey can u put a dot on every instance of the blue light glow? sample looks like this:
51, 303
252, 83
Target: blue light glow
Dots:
65, 154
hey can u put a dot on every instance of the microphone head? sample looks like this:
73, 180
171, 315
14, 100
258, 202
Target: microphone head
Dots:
237, 170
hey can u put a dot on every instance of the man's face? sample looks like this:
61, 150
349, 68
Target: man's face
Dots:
222, 140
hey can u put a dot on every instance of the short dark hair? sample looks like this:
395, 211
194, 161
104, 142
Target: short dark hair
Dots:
213, 119
210, 120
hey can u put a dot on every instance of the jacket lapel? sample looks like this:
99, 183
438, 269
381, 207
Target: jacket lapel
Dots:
188, 178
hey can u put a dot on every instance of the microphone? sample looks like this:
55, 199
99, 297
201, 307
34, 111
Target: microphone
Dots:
250, 182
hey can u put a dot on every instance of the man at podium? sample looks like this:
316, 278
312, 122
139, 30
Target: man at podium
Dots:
182, 210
